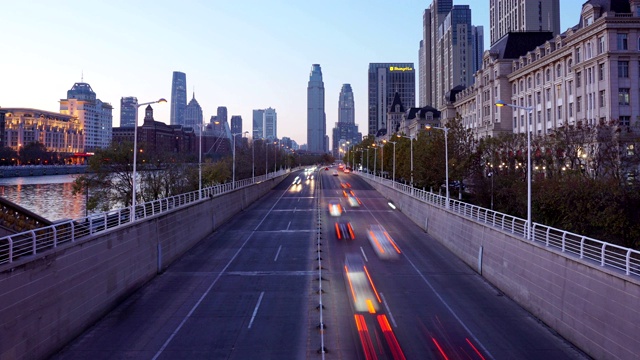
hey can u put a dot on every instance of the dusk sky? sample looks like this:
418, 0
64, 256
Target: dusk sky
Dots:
244, 54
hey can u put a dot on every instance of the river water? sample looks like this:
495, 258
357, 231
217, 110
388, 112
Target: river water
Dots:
48, 196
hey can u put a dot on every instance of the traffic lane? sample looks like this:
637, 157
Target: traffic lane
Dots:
144, 322
247, 316
457, 292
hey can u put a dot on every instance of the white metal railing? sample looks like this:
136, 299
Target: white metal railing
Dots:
600, 252
34, 242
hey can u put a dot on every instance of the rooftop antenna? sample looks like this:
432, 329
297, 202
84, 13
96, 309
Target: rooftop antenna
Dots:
82, 76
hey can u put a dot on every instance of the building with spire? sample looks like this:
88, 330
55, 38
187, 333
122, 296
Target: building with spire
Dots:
178, 98
316, 118
345, 132
95, 117
193, 115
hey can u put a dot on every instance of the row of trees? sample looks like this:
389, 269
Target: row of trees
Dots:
585, 179
109, 182
34, 153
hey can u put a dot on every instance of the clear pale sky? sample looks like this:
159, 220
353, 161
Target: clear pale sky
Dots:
242, 54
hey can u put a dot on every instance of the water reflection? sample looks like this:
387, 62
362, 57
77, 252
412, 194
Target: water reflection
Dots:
48, 196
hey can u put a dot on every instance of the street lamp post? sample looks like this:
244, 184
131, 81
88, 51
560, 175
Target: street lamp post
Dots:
393, 184
233, 176
446, 159
375, 159
529, 109
135, 155
361, 157
411, 147
253, 160
367, 150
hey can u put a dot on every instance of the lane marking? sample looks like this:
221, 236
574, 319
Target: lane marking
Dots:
288, 226
363, 254
384, 301
213, 283
278, 253
255, 311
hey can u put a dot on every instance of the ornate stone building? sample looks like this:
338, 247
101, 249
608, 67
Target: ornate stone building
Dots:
58, 132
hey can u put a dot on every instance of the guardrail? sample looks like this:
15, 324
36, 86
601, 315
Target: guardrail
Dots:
600, 252
38, 241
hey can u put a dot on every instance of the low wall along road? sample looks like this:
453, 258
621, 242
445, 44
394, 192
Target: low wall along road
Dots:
595, 307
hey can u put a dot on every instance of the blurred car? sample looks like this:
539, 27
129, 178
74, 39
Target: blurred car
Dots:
326, 169
344, 231
363, 292
335, 209
297, 180
354, 201
335, 173
346, 171
344, 193
382, 242
343, 185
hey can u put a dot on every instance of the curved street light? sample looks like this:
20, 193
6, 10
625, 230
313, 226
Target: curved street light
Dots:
135, 155
446, 158
411, 138
501, 103
393, 183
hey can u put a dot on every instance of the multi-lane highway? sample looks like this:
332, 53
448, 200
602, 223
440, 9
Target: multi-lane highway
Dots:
250, 291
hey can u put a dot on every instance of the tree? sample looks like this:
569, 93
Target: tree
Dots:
35, 153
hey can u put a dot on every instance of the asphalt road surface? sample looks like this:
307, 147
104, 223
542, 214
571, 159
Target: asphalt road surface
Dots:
251, 290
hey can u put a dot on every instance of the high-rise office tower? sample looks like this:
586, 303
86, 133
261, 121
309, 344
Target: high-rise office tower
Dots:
316, 118
270, 124
515, 16
193, 115
449, 52
385, 79
346, 105
128, 108
178, 98
236, 127
94, 115
258, 124
345, 131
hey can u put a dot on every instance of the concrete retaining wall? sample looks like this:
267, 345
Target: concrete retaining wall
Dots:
45, 303
596, 308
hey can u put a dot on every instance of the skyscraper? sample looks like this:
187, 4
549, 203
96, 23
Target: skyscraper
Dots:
346, 105
270, 124
345, 130
236, 127
94, 115
515, 16
193, 115
316, 118
258, 124
450, 53
128, 108
385, 79
178, 98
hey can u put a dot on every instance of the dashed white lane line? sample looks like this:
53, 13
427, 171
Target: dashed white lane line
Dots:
363, 254
255, 311
278, 253
384, 301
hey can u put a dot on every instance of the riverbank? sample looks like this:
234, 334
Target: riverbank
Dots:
41, 170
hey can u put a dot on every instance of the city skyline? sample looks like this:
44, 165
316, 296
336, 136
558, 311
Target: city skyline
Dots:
136, 57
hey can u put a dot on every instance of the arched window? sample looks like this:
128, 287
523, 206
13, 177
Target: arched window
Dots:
558, 70
548, 75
